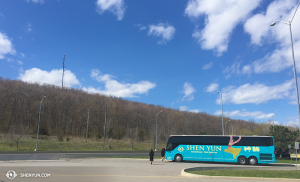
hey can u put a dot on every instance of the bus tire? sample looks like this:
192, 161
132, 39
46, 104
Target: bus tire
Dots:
242, 160
252, 161
178, 158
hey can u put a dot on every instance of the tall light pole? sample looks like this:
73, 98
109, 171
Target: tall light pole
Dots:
222, 113
294, 65
225, 126
37, 135
156, 129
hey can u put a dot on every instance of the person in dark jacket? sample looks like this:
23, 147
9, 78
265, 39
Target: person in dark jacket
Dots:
151, 154
162, 152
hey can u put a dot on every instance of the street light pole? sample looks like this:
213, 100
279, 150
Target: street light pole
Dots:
294, 65
225, 126
37, 135
156, 130
222, 113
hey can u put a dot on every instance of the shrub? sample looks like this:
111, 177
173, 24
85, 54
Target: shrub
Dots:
110, 133
141, 135
98, 136
119, 134
60, 137
202, 133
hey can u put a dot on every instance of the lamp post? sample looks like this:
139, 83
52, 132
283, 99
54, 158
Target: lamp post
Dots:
294, 65
225, 126
156, 129
37, 135
222, 113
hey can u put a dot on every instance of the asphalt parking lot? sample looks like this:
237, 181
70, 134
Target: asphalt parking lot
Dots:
110, 169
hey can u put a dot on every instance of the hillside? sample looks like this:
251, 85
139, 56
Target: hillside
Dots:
65, 112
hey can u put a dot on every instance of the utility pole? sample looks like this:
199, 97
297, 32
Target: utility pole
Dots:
87, 127
104, 130
62, 84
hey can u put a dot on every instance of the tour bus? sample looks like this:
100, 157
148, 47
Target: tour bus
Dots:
215, 148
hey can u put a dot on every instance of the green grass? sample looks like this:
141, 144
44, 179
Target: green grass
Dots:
75, 144
287, 161
250, 173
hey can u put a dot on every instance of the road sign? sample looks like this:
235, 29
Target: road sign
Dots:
296, 145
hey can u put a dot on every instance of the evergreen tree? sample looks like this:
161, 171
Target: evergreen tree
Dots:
283, 137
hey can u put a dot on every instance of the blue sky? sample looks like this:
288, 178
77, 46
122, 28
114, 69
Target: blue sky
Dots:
158, 52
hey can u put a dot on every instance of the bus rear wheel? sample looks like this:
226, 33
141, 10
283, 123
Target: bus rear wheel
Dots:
252, 161
178, 158
242, 160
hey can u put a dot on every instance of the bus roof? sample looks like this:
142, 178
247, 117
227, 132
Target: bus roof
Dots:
223, 135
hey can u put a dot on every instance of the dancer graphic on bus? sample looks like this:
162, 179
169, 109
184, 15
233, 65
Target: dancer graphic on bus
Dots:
234, 151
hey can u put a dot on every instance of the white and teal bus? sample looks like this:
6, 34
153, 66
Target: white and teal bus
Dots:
215, 148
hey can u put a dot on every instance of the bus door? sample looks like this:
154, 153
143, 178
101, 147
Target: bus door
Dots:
228, 155
218, 154
207, 156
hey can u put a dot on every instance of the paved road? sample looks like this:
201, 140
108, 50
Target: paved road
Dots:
105, 169
4, 156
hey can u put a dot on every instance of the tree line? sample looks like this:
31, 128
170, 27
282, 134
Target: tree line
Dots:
65, 111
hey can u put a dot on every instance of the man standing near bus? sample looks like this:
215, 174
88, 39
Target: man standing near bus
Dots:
163, 152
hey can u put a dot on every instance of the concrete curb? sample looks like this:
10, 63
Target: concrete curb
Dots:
183, 173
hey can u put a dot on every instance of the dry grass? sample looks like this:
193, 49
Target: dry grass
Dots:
28, 143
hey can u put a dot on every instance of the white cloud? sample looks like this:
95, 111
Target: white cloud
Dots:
36, 1
246, 69
244, 113
188, 91
294, 123
208, 66
256, 93
54, 77
12, 61
195, 111
28, 27
117, 7
185, 108
233, 69
141, 27
6, 46
165, 31
115, 88
221, 17
277, 10
280, 58
212, 87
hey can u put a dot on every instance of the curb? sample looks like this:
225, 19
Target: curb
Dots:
183, 173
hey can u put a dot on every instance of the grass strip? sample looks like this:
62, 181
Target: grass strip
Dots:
287, 160
75, 144
250, 173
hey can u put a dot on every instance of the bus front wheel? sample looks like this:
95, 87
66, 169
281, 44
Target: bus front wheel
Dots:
242, 160
252, 160
178, 158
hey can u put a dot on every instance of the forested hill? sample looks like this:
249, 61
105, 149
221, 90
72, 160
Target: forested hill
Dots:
65, 112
